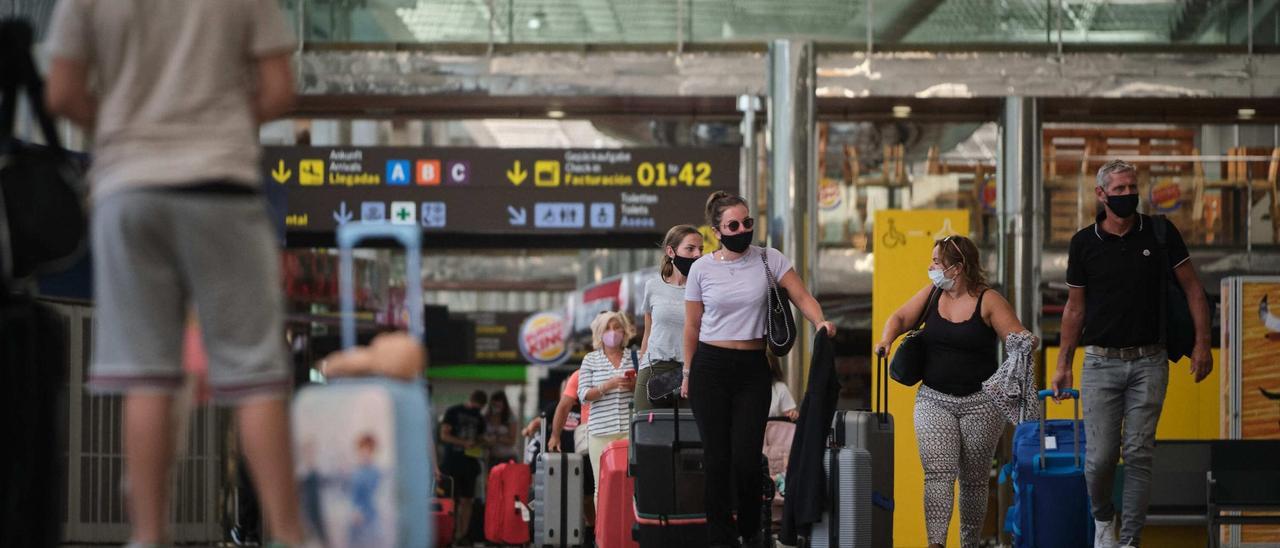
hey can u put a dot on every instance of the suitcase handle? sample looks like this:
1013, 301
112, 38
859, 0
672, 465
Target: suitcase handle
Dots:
1075, 424
410, 237
880, 403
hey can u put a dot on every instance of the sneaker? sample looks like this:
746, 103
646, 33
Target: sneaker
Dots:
1104, 534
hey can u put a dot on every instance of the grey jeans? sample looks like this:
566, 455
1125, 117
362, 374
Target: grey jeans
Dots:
1122, 401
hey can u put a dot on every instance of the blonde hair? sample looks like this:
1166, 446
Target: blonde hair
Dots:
601, 323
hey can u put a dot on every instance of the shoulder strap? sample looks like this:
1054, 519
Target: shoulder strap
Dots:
17, 37
934, 293
1160, 224
635, 361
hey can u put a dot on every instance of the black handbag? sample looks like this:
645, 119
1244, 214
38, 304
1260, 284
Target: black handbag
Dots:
665, 387
42, 217
907, 365
780, 324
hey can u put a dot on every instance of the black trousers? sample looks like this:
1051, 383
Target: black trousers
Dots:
729, 392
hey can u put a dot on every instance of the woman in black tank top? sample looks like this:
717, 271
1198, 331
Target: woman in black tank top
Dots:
957, 425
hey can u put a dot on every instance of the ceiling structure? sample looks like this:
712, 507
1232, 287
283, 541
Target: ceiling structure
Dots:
897, 23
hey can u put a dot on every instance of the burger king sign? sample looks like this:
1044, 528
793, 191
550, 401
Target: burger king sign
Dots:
544, 339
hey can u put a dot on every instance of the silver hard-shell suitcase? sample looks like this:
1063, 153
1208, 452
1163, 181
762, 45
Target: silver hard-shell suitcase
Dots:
557, 500
873, 431
846, 523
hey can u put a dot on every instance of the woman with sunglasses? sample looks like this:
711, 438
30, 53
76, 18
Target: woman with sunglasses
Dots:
957, 424
727, 377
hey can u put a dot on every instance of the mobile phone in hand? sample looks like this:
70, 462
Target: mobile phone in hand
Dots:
630, 374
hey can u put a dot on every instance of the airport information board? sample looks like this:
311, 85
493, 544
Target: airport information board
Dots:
496, 191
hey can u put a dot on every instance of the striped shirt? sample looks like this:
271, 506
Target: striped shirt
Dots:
611, 414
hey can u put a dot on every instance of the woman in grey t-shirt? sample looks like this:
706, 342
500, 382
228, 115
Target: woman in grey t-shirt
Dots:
727, 375
663, 308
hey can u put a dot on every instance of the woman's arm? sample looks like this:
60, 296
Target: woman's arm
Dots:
692, 329
648, 328
805, 302
587, 389
999, 314
897, 323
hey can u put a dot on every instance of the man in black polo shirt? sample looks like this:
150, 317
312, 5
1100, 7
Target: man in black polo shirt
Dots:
1114, 274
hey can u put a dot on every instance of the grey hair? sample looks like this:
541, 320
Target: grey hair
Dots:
1111, 168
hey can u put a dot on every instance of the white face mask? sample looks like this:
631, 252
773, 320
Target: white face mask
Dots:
940, 279
611, 339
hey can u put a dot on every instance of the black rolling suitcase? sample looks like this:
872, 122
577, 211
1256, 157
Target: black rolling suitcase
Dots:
33, 360
666, 461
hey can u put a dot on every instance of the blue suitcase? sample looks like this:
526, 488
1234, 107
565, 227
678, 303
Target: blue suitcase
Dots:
1051, 500
361, 447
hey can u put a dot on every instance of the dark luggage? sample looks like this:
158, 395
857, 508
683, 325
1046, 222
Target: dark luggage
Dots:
873, 431
33, 363
667, 462
1051, 499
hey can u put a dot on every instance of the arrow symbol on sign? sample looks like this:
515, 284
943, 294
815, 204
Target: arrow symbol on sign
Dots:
517, 175
342, 215
281, 173
518, 217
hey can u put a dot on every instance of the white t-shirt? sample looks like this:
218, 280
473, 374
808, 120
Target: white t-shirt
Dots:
174, 81
781, 401
666, 303
733, 293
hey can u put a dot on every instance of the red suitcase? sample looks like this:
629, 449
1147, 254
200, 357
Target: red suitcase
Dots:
615, 513
506, 504
443, 512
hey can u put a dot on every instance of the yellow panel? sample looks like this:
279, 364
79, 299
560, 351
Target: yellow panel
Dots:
903, 250
1190, 409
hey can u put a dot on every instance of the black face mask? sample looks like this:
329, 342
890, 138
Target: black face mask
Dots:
1123, 206
683, 264
737, 243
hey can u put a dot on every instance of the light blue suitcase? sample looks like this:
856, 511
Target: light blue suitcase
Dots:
361, 446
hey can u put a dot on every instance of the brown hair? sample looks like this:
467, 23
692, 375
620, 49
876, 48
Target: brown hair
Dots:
720, 201
676, 235
959, 249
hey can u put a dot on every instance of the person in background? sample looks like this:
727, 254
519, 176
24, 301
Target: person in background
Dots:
781, 404
663, 308
604, 381
726, 372
173, 94
499, 429
461, 434
957, 424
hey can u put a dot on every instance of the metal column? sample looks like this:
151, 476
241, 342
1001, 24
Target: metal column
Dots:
1021, 218
792, 196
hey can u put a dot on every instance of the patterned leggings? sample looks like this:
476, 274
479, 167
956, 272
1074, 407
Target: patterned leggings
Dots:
957, 437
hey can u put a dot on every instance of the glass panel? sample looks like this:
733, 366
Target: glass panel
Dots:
1214, 182
868, 166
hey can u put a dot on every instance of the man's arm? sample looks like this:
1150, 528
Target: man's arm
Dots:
275, 94
1072, 326
1201, 357
446, 435
66, 92
557, 423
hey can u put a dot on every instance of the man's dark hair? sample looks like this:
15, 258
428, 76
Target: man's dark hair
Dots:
479, 398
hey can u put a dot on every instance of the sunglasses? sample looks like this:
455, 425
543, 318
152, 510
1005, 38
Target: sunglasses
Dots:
732, 226
955, 245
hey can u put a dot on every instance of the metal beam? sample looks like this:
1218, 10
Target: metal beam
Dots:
907, 20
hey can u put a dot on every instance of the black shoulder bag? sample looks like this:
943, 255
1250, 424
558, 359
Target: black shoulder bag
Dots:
42, 218
780, 324
907, 364
1178, 329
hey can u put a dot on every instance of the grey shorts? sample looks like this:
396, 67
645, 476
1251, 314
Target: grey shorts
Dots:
156, 253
